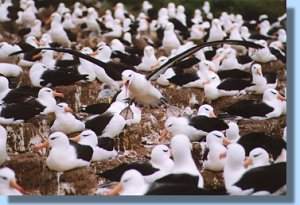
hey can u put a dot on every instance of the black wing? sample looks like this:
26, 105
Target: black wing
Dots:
184, 78
130, 60
83, 152
184, 32
188, 63
279, 54
249, 108
116, 173
106, 143
194, 49
207, 124
22, 111
21, 94
113, 73
266, 178
98, 108
234, 73
271, 77
234, 84
61, 77
98, 124
180, 184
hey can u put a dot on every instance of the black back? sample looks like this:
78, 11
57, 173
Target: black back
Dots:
273, 145
234, 84
98, 123
207, 124
234, 73
180, 184
249, 108
184, 78
22, 111
61, 77
116, 173
84, 152
106, 143
265, 178
21, 94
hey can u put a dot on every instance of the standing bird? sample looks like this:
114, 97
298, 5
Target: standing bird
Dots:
195, 127
141, 90
270, 107
64, 154
102, 147
216, 32
216, 142
64, 120
159, 165
170, 40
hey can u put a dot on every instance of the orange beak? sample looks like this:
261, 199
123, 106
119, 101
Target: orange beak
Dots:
76, 138
222, 156
212, 114
15, 185
280, 97
94, 53
226, 141
58, 94
206, 82
68, 109
116, 190
258, 72
126, 83
247, 162
36, 56
40, 146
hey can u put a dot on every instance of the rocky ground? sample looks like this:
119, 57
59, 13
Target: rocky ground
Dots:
133, 144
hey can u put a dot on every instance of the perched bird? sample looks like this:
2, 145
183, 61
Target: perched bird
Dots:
141, 90
132, 183
64, 154
19, 112
215, 161
185, 178
270, 107
110, 123
274, 145
194, 127
8, 183
257, 157
65, 121
102, 147
159, 165
263, 180
149, 61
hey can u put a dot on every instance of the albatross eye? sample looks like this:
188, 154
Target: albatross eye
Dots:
206, 109
273, 92
165, 150
256, 155
53, 138
4, 178
218, 136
